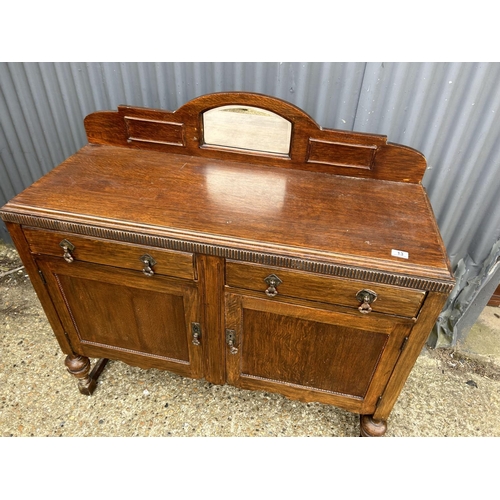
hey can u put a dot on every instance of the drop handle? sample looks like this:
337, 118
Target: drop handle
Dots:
148, 262
273, 281
366, 297
67, 247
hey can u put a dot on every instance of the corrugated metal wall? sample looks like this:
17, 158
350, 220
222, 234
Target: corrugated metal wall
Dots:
449, 111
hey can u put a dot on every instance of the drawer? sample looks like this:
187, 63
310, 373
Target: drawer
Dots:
390, 299
111, 253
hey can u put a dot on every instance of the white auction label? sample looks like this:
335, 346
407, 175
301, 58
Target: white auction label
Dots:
399, 253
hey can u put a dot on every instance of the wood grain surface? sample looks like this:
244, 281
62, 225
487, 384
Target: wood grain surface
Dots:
291, 212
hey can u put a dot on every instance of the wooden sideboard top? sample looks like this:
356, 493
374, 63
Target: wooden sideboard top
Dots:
323, 197
313, 215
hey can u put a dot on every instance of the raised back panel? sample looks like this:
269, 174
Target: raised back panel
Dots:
309, 146
154, 131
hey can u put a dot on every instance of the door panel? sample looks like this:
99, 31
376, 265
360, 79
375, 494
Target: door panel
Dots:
311, 354
122, 314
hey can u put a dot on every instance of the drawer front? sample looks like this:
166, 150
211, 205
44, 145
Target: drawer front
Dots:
110, 253
390, 299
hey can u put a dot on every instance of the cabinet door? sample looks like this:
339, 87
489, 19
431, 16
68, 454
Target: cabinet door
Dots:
122, 314
311, 352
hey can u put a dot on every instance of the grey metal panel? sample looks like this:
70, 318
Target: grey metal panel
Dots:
449, 111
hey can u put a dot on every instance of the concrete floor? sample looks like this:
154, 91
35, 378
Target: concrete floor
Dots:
452, 392
483, 340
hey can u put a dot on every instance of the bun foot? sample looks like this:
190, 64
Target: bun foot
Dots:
370, 427
79, 367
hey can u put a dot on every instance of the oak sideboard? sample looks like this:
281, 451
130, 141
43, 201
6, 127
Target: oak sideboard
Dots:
238, 241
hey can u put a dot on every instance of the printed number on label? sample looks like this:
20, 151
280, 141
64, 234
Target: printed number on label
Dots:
399, 253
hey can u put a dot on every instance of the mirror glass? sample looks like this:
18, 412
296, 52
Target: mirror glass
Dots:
248, 128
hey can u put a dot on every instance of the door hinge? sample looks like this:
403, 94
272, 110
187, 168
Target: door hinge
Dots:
403, 345
42, 276
379, 400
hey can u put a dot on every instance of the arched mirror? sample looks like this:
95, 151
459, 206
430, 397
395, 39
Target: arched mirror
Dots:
247, 128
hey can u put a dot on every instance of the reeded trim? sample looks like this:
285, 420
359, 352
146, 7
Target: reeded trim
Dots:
256, 257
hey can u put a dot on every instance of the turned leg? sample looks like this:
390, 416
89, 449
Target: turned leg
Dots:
79, 366
370, 427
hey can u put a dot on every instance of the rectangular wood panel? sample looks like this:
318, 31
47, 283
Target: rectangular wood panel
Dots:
345, 155
154, 131
309, 353
126, 318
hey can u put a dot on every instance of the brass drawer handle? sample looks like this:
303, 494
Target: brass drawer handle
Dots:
148, 262
273, 281
68, 248
366, 297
